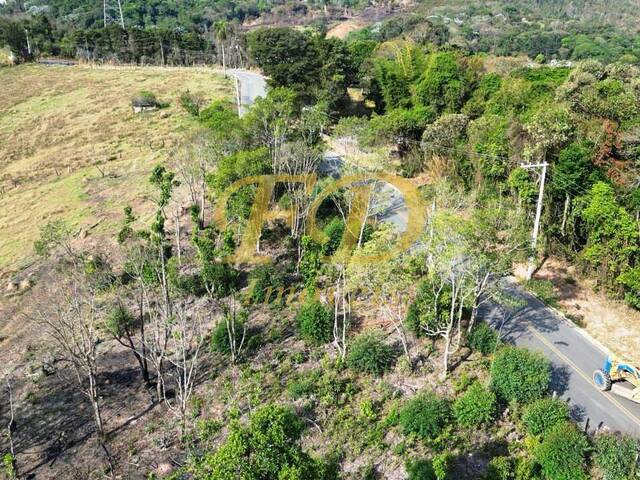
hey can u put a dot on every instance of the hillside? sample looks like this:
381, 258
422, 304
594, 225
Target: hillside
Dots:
71, 148
321, 288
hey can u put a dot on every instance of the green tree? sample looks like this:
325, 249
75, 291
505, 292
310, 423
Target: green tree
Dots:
616, 456
544, 414
221, 27
425, 415
477, 406
369, 353
520, 375
562, 453
315, 322
613, 243
445, 83
288, 57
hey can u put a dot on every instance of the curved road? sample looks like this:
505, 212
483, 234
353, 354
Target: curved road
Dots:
252, 86
574, 356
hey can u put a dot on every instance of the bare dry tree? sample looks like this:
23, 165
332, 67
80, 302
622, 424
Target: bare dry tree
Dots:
71, 317
300, 162
11, 428
236, 328
341, 310
192, 161
448, 325
185, 344
386, 282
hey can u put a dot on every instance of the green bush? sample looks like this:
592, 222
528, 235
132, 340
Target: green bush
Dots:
146, 98
483, 338
315, 322
476, 407
442, 466
499, 468
370, 354
334, 231
562, 453
425, 415
267, 448
615, 456
220, 337
267, 284
544, 414
191, 103
520, 375
420, 469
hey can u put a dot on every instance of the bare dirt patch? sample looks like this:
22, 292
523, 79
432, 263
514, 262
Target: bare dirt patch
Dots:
342, 29
609, 321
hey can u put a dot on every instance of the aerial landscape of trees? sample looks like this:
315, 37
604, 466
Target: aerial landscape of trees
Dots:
258, 347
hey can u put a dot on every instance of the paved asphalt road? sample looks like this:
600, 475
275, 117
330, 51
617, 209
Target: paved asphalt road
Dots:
252, 86
573, 355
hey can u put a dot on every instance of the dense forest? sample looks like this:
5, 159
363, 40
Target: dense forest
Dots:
139, 31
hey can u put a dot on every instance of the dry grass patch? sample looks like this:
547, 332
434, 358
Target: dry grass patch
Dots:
609, 321
71, 147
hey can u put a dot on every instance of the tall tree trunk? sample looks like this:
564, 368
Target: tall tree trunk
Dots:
143, 342
93, 396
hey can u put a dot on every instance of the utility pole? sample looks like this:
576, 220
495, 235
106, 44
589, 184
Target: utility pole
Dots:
104, 12
536, 223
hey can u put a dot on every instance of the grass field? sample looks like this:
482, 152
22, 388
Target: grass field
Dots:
71, 147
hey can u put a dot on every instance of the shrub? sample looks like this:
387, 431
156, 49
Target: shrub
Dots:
483, 338
315, 322
544, 414
145, 98
425, 415
421, 469
334, 231
442, 466
615, 456
476, 407
370, 354
562, 453
499, 468
520, 375
267, 284
191, 103
220, 337
268, 447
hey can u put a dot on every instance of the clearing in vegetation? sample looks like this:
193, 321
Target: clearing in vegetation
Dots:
71, 147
